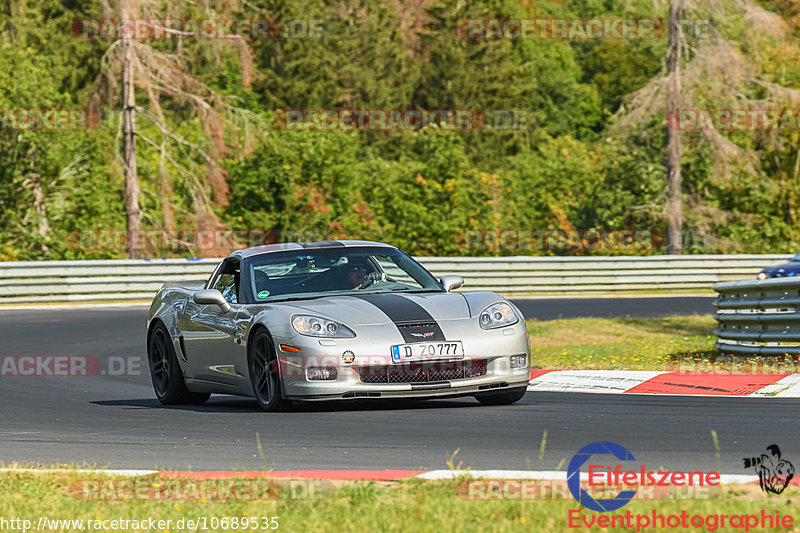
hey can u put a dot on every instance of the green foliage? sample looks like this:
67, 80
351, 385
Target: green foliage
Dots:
618, 68
420, 190
307, 184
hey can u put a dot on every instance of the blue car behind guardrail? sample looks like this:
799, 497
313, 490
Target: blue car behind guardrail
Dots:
792, 268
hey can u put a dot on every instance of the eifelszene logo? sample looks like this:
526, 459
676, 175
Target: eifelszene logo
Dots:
774, 473
600, 476
574, 476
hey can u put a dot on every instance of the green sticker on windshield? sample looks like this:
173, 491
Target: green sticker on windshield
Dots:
263, 294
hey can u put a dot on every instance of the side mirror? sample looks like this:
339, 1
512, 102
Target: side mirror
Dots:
451, 282
212, 297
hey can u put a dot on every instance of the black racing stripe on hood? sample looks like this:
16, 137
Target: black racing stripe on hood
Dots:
412, 320
399, 309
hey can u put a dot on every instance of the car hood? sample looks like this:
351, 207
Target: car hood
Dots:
385, 308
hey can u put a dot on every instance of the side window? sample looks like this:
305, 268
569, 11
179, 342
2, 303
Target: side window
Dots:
227, 281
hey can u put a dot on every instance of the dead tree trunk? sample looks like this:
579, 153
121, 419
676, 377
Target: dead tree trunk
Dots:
133, 214
673, 206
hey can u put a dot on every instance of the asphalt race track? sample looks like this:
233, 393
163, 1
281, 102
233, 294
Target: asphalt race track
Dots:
115, 421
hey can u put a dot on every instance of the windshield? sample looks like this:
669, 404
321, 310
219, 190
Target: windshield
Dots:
335, 271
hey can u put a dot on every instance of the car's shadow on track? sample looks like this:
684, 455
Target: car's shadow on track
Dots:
228, 404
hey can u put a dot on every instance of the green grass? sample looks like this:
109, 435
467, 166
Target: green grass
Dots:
413, 505
675, 343
621, 343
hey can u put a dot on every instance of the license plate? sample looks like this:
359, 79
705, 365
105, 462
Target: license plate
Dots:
420, 351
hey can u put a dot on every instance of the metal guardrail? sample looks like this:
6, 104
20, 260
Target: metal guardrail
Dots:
758, 317
107, 280
137, 280
558, 275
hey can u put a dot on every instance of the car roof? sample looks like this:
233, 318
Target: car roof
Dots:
309, 246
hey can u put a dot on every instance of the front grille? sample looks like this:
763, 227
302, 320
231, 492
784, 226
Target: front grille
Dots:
423, 372
420, 331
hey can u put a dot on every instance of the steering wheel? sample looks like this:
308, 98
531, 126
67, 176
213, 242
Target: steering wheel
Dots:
373, 277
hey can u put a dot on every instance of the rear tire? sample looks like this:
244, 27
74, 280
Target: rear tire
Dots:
166, 373
502, 398
262, 363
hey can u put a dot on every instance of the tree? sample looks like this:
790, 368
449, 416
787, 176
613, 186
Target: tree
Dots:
133, 215
164, 73
745, 60
673, 207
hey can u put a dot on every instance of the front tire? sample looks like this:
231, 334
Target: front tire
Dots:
264, 374
502, 398
165, 372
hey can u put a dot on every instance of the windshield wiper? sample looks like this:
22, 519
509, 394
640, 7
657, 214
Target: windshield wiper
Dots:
293, 298
410, 289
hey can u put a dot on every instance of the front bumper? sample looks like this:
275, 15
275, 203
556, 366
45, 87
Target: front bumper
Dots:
487, 360
349, 384
414, 391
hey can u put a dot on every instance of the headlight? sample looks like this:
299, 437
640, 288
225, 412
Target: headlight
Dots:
497, 315
761, 275
315, 326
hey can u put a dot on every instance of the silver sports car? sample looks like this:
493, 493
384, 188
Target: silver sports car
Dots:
333, 320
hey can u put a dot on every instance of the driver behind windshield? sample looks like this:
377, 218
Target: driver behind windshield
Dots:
356, 273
